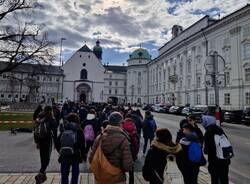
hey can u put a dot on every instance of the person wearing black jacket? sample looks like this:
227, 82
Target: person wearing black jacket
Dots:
79, 155
44, 143
155, 162
218, 168
189, 169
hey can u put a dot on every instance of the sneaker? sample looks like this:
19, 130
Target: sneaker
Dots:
40, 178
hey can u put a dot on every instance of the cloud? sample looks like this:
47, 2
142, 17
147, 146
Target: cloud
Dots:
122, 25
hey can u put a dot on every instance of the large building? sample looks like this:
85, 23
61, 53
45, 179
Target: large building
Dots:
176, 76
32, 83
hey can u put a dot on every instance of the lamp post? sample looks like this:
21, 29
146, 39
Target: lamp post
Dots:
61, 62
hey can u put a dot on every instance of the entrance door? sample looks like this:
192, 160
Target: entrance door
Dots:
83, 97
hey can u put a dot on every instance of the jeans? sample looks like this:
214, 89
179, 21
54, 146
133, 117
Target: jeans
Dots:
45, 152
146, 143
65, 169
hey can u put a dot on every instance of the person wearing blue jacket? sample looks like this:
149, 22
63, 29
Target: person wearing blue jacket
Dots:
149, 127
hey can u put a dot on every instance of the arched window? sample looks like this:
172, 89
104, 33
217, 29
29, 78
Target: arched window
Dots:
84, 74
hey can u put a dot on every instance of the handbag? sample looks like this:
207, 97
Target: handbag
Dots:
104, 171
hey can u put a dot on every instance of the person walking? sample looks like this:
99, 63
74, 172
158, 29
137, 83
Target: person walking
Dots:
36, 113
90, 129
45, 131
71, 149
191, 157
129, 126
156, 159
111, 157
149, 128
218, 149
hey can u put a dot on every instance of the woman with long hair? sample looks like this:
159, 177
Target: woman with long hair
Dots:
45, 132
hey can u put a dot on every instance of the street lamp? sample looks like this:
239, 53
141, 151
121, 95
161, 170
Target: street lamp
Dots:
61, 62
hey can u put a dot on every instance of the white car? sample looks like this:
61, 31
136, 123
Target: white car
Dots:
158, 108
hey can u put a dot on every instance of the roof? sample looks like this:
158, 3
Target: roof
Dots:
35, 68
85, 48
116, 68
140, 54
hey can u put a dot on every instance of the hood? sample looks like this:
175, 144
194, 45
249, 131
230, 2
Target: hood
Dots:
208, 120
71, 126
112, 138
128, 125
90, 116
169, 149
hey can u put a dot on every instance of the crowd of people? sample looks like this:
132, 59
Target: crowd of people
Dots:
109, 138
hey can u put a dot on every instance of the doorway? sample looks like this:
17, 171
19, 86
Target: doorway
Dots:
83, 97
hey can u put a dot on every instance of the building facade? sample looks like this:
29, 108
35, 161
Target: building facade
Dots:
31, 83
177, 76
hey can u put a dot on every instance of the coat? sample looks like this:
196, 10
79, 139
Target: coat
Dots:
156, 160
149, 128
116, 148
209, 145
79, 148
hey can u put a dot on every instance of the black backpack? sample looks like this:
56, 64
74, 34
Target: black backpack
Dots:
41, 129
68, 141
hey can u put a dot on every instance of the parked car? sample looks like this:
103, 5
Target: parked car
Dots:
147, 107
232, 116
176, 110
245, 118
186, 111
158, 108
167, 107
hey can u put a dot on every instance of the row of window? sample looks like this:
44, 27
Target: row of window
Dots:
116, 83
116, 91
10, 96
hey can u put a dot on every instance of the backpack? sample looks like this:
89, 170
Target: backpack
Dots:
224, 149
195, 152
68, 141
41, 129
89, 133
104, 171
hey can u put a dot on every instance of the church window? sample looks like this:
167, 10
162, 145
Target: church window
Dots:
110, 83
140, 54
2, 95
110, 91
116, 83
84, 74
116, 91
80, 56
9, 96
89, 56
84, 64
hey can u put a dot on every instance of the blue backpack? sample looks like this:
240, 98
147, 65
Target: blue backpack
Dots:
195, 152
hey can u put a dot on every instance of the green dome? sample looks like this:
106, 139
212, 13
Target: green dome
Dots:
140, 54
97, 48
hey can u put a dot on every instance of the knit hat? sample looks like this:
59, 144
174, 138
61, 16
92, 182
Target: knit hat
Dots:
115, 118
207, 121
163, 135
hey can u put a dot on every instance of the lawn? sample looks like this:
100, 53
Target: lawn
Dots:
16, 117
8, 126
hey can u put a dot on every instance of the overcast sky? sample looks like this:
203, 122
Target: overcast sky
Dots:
122, 25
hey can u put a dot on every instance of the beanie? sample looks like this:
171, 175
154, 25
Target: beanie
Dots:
115, 118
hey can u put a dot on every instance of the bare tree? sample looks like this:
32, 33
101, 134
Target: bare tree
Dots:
22, 41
